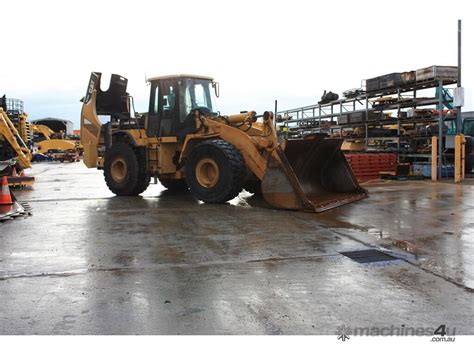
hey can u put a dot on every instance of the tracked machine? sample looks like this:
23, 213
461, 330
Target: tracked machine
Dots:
184, 142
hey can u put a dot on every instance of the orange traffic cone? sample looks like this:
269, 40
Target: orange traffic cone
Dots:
5, 196
14, 173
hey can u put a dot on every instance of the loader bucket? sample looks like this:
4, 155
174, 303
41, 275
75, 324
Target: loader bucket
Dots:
310, 174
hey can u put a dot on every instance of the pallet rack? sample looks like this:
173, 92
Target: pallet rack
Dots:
373, 110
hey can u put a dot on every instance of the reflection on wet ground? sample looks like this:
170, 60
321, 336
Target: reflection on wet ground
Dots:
88, 262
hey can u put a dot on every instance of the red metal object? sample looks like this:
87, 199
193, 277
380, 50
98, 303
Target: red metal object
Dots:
367, 166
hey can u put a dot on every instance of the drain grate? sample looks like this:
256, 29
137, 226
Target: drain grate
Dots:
368, 256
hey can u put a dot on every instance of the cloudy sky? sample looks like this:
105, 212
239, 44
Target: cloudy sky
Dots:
259, 51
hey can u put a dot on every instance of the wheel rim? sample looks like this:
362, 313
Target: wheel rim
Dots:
207, 172
118, 170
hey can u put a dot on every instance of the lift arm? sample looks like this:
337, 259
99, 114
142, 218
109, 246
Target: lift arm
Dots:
44, 130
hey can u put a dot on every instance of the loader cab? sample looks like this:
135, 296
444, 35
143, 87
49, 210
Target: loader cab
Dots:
468, 123
172, 101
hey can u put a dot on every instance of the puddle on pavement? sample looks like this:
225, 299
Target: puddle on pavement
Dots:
378, 233
407, 246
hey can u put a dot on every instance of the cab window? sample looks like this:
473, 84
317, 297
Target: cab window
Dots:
156, 100
197, 94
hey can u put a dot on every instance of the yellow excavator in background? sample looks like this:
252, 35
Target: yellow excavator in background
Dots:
185, 143
12, 144
49, 143
44, 130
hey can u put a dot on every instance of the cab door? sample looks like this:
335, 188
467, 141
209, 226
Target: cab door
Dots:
154, 110
163, 116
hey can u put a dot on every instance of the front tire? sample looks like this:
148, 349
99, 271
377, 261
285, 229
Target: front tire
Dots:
215, 171
469, 149
122, 172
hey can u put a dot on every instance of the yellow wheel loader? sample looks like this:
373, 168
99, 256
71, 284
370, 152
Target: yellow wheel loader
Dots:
185, 143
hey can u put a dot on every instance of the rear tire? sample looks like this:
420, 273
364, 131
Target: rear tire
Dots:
174, 184
122, 172
215, 171
142, 185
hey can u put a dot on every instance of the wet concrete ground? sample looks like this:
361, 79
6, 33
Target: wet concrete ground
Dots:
87, 262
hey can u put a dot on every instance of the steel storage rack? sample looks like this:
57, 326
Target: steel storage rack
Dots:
395, 113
